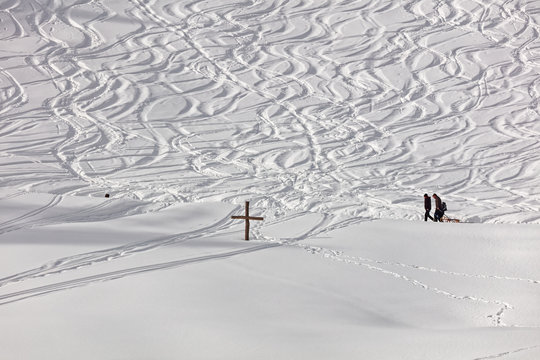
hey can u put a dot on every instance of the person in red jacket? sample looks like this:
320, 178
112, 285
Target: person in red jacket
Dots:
427, 207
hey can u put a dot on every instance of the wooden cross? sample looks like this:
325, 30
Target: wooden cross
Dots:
247, 218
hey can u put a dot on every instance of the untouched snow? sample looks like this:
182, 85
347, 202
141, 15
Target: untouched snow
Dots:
332, 117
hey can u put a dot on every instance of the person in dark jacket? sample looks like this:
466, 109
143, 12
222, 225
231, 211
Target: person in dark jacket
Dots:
437, 216
427, 206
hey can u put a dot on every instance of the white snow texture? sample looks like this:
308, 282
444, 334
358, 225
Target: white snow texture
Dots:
332, 117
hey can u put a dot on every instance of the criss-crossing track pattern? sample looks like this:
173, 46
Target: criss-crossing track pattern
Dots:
353, 112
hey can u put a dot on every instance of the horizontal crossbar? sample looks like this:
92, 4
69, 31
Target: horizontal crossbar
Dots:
247, 217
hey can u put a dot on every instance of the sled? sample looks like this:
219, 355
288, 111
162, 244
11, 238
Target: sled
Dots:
447, 219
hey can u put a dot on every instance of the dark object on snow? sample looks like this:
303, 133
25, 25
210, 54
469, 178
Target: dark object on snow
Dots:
439, 212
107, 195
427, 207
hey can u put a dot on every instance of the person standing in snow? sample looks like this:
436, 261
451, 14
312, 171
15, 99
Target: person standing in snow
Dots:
427, 206
437, 216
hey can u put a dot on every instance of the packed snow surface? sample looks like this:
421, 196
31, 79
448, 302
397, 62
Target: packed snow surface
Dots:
332, 118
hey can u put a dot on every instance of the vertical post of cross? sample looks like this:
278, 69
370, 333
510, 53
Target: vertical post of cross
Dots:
246, 234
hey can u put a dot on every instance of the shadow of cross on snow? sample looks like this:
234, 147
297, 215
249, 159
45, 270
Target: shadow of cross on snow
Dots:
247, 218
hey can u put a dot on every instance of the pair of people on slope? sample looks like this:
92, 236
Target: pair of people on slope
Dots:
439, 208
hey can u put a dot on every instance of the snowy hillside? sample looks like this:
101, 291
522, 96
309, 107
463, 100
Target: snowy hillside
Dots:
350, 108
331, 117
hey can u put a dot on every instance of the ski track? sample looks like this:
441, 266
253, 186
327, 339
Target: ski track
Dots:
114, 275
87, 259
506, 353
496, 318
270, 101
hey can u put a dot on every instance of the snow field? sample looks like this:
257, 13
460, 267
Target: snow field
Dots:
332, 117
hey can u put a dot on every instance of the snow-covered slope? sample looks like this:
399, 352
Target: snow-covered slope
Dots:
180, 283
332, 117
351, 108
